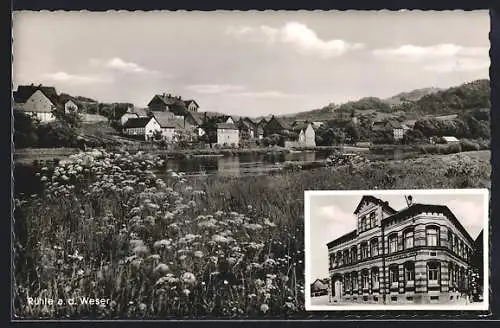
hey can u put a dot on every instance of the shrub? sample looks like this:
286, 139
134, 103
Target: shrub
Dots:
468, 145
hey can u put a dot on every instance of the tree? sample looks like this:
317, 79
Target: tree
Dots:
352, 132
72, 117
25, 128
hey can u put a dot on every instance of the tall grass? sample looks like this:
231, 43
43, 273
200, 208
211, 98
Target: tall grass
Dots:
107, 227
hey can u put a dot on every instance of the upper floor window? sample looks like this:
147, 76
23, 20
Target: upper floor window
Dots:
450, 239
408, 238
338, 258
364, 250
374, 247
354, 254
432, 236
346, 257
364, 225
373, 222
393, 243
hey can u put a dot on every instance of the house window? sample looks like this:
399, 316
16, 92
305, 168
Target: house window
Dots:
365, 278
455, 244
374, 247
409, 273
393, 243
338, 258
375, 277
347, 282
433, 272
354, 281
432, 236
393, 274
354, 254
450, 239
364, 251
363, 223
408, 239
346, 256
372, 220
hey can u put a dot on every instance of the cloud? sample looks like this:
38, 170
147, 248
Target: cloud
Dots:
442, 58
76, 79
298, 35
337, 220
119, 64
470, 215
235, 91
214, 88
459, 65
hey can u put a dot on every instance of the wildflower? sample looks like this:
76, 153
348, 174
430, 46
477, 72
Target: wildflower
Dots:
161, 243
186, 292
161, 268
220, 239
182, 257
264, 308
188, 278
198, 254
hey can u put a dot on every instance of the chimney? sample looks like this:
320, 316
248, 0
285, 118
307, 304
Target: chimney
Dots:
32, 84
39, 85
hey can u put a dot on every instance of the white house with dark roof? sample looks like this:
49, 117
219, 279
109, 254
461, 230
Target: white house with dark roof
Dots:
227, 134
37, 101
144, 127
70, 106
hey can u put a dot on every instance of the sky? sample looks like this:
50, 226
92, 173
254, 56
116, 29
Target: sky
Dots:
249, 63
331, 216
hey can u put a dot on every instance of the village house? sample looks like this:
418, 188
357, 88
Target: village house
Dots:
420, 254
319, 287
174, 104
248, 128
36, 101
191, 105
169, 126
396, 129
70, 106
227, 134
193, 121
125, 117
142, 127
276, 125
307, 136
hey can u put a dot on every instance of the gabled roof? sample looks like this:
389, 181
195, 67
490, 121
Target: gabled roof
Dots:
196, 116
230, 126
139, 122
129, 113
171, 101
188, 101
25, 91
168, 122
283, 123
377, 201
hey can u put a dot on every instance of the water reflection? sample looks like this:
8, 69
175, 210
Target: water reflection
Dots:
243, 164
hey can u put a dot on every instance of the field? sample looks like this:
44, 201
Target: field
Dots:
107, 227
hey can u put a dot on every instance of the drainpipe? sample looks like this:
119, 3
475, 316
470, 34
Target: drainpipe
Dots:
383, 259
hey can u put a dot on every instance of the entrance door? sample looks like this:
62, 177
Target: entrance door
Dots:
337, 290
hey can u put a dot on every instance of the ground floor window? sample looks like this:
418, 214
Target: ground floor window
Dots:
433, 269
375, 277
393, 275
366, 279
409, 269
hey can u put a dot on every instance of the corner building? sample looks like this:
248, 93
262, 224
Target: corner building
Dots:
418, 255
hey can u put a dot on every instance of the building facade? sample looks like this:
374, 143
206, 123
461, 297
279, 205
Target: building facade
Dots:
418, 255
228, 134
36, 101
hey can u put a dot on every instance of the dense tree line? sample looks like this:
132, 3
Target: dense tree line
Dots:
459, 99
29, 132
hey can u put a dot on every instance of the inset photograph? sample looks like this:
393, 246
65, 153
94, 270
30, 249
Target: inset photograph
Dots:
396, 250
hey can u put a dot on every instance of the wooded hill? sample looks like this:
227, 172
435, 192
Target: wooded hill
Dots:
427, 101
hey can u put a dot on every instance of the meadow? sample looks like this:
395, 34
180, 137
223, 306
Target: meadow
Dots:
107, 226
